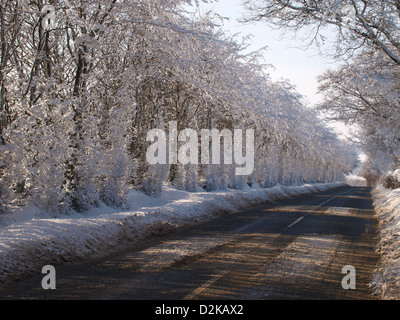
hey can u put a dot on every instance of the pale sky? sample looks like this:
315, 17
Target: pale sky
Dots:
290, 59
291, 62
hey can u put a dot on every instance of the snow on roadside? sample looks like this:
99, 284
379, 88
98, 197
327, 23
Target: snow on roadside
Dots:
387, 207
31, 239
356, 181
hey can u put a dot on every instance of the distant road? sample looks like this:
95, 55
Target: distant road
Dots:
294, 249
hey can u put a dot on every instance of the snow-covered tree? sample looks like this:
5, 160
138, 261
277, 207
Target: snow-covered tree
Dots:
79, 96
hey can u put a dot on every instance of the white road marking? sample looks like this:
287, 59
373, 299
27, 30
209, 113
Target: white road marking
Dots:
296, 222
215, 278
205, 285
320, 205
341, 194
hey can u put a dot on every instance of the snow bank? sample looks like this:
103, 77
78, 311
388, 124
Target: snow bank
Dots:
387, 207
356, 181
31, 239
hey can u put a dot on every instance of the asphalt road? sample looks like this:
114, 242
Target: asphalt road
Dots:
294, 249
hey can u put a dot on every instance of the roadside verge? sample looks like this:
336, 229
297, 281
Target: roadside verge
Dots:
387, 207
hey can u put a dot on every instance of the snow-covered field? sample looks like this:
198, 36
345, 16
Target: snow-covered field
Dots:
387, 207
31, 239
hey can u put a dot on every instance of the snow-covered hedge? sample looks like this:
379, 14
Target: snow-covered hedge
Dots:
392, 180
